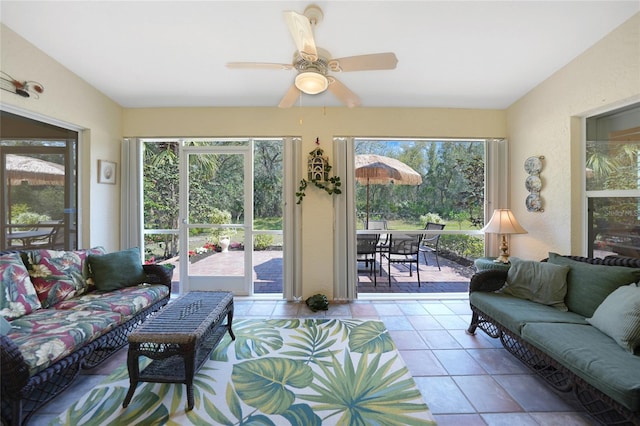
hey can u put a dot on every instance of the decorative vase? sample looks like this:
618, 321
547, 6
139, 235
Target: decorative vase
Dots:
224, 242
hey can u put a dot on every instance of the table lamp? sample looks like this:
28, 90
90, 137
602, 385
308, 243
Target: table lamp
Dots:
503, 222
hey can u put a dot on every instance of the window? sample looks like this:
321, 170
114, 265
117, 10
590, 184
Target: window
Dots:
38, 164
612, 178
451, 188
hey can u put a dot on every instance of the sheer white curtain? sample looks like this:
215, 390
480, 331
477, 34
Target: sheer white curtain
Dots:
345, 266
131, 205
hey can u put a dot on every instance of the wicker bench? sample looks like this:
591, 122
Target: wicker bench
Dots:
179, 340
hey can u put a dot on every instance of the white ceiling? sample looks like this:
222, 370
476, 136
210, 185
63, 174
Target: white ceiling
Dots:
457, 54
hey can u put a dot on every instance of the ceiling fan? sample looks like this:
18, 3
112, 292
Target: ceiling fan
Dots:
314, 64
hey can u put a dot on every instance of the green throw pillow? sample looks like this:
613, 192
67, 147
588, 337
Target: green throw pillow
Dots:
117, 270
538, 281
619, 316
588, 285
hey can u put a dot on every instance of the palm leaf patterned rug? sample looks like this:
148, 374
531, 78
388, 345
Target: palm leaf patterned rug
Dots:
277, 372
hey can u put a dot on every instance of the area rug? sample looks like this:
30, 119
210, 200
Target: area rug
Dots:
277, 372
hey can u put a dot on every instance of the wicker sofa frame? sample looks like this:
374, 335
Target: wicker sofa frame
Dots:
23, 395
599, 405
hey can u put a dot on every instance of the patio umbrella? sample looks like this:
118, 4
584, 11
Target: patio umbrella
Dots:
372, 169
32, 171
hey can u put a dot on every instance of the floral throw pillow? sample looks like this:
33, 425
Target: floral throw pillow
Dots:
55, 281
60, 275
18, 296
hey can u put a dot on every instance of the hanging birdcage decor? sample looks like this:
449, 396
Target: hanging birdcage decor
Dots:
317, 166
318, 169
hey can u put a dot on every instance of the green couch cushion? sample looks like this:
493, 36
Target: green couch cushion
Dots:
588, 285
591, 355
619, 316
513, 312
117, 270
540, 282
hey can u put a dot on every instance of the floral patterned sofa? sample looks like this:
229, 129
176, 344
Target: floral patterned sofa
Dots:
65, 310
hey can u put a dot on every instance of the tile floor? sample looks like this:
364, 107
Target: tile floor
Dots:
465, 380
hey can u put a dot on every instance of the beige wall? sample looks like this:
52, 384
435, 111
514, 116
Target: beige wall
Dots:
548, 121
541, 123
71, 100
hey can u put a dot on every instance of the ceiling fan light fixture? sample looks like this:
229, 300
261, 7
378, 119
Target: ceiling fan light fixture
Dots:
311, 82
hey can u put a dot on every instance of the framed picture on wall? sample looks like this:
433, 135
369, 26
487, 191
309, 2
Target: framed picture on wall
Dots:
106, 171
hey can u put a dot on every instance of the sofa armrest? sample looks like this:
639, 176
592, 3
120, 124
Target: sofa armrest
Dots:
488, 280
14, 370
158, 274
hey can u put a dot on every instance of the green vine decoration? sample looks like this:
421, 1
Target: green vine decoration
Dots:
330, 185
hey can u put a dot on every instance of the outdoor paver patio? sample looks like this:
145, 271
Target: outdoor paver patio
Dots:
267, 274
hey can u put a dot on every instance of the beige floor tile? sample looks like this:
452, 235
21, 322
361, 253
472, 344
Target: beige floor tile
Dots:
407, 340
486, 395
423, 363
443, 396
458, 362
424, 322
439, 339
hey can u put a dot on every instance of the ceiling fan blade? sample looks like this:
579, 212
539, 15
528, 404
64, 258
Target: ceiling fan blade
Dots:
302, 33
259, 65
375, 61
343, 93
290, 97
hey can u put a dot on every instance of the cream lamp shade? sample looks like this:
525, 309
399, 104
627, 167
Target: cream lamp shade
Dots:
311, 82
503, 222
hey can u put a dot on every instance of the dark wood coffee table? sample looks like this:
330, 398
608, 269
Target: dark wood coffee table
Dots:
179, 339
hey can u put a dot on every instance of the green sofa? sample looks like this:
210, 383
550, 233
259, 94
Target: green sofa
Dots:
575, 321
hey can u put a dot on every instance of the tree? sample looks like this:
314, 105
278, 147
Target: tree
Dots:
471, 199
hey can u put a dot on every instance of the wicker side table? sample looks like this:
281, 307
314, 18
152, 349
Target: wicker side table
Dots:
179, 340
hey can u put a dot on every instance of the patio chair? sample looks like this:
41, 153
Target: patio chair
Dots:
403, 249
430, 242
50, 229
366, 252
383, 240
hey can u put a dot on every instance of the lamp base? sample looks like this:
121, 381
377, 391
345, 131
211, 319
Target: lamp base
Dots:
504, 251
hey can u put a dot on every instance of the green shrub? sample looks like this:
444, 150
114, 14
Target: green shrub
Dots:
28, 218
431, 217
18, 209
220, 217
469, 246
262, 241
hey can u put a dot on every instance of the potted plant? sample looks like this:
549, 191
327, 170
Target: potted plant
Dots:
222, 236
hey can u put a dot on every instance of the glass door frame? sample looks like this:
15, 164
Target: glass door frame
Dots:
242, 285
